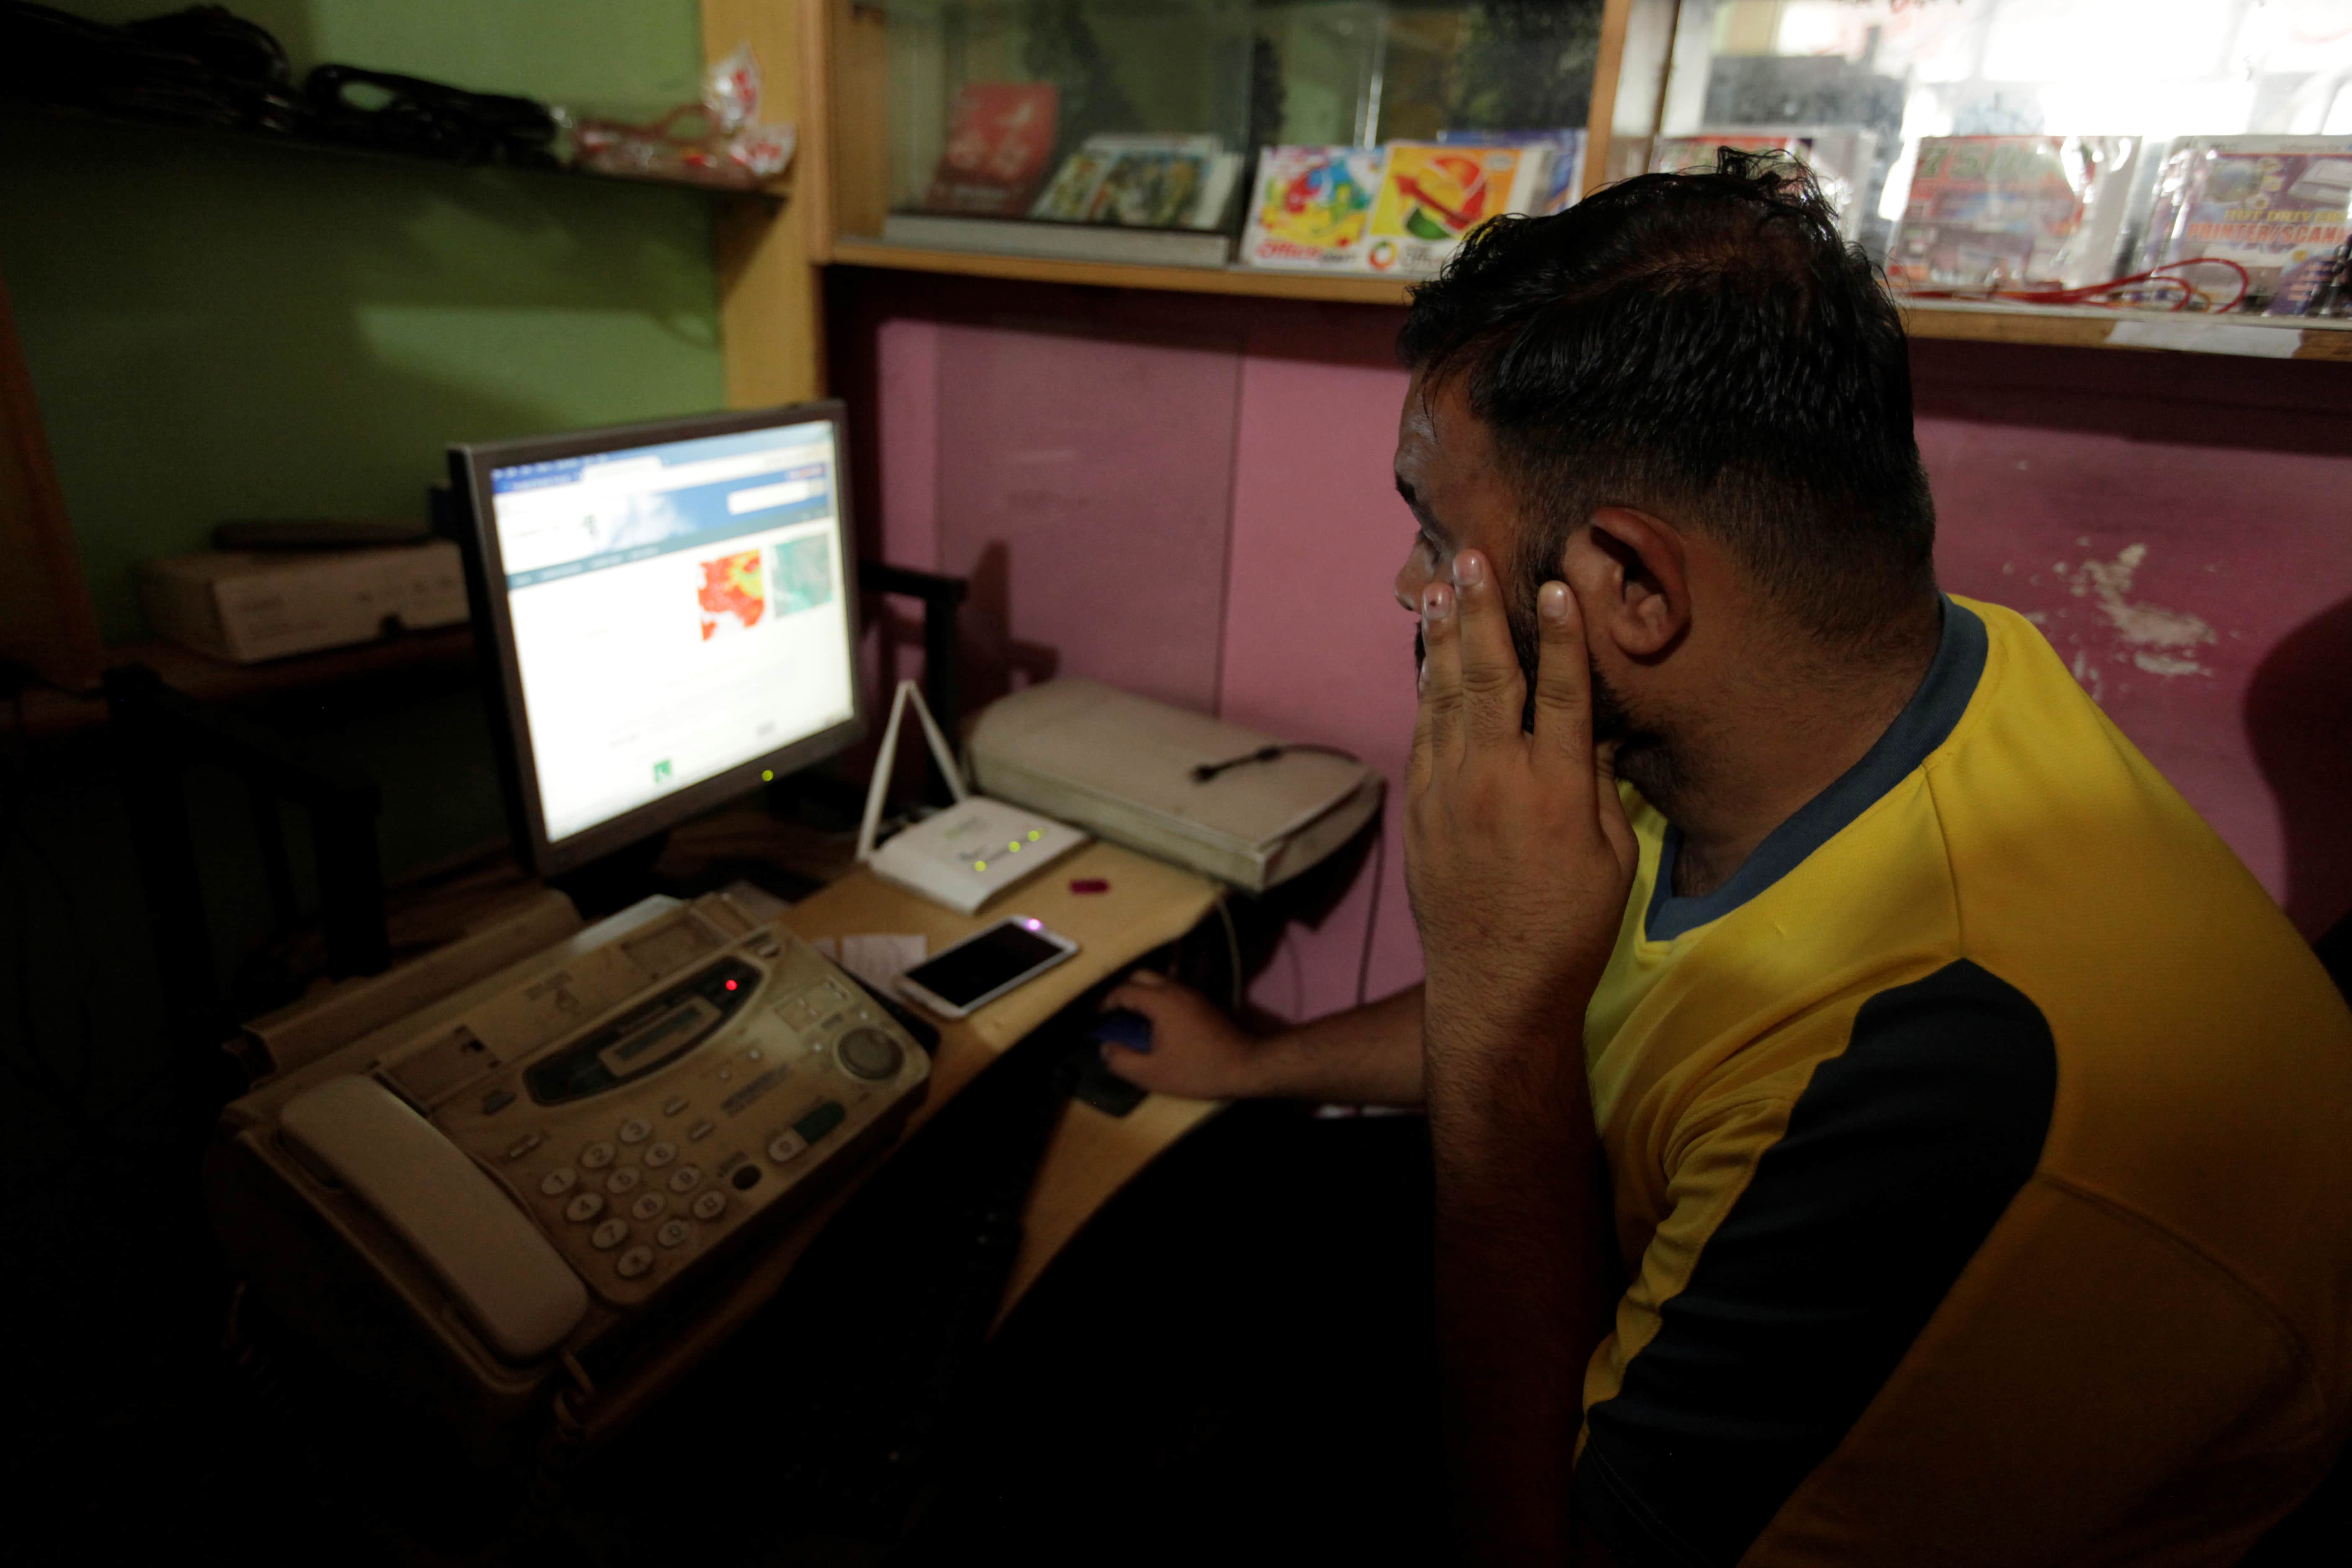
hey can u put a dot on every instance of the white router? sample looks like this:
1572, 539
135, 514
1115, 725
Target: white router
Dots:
970, 852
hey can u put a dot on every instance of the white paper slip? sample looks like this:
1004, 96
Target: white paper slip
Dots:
876, 958
2203, 335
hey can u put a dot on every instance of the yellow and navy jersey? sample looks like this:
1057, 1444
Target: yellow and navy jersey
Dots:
1982, 1157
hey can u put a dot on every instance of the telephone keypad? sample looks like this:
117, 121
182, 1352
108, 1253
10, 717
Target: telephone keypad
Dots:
644, 1188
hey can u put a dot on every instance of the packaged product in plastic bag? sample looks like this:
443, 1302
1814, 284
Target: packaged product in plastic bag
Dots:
2274, 210
721, 140
2002, 213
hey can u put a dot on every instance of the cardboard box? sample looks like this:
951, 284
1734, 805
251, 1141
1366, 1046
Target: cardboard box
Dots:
250, 606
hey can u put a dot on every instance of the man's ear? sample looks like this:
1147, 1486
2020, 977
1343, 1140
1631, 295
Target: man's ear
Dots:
1632, 579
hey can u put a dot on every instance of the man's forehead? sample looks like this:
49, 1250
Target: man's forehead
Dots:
1437, 429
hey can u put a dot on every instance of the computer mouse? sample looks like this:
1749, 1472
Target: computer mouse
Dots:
1123, 1027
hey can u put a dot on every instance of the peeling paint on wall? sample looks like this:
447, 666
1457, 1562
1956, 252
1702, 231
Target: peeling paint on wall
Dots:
2161, 641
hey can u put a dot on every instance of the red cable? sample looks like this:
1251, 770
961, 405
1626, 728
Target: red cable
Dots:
2089, 294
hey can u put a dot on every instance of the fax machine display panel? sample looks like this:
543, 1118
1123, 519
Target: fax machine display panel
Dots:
649, 1037
677, 611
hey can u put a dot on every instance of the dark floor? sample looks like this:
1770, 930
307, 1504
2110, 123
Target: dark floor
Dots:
1170, 1390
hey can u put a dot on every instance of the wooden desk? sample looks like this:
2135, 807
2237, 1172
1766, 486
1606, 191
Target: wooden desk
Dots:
1149, 904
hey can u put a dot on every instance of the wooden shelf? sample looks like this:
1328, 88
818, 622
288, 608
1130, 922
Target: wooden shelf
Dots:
447, 650
771, 195
2078, 326
1123, 275
2088, 326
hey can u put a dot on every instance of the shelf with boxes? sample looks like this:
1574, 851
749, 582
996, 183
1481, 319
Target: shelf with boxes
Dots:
2011, 179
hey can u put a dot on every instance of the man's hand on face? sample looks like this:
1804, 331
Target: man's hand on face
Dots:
1196, 1051
1517, 854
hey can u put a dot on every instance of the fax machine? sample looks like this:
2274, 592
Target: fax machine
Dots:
529, 1179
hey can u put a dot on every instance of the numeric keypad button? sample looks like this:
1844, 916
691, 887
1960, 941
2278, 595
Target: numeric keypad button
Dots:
596, 1156
633, 1262
673, 1233
648, 1206
560, 1181
583, 1207
710, 1205
636, 1130
660, 1154
609, 1235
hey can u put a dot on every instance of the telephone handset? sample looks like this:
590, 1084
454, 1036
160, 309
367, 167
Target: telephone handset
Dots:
505, 1277
539, 1159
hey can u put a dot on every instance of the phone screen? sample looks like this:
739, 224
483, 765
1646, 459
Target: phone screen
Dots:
995, 958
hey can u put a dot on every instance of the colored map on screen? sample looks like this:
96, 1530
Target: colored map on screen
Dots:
734, 593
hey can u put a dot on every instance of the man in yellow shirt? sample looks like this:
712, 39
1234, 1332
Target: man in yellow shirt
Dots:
1954, 1163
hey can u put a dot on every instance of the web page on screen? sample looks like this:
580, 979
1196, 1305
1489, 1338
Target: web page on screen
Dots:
677, 611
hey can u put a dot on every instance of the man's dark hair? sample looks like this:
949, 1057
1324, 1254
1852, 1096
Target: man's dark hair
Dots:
1706, 346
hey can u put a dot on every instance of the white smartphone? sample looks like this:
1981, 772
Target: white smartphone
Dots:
957, 982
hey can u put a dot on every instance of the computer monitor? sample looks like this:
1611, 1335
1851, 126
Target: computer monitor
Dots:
670, 617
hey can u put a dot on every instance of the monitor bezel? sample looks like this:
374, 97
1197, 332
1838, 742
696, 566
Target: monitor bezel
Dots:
470, 467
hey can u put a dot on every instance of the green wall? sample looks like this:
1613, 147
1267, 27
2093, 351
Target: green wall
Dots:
217, 328
220, 328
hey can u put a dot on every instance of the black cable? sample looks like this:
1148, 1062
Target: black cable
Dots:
1372, 915
1202, 773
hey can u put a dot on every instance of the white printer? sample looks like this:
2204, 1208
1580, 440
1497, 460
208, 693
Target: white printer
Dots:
1130, 769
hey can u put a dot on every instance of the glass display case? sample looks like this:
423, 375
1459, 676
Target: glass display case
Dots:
2179, 155
1130, 130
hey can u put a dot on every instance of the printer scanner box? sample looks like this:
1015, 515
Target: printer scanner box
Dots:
1121, 766
249, 606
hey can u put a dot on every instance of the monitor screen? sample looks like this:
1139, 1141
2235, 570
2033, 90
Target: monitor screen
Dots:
673, 605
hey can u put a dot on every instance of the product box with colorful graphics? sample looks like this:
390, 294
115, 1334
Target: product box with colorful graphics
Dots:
1434, 194
2278, 206
1310, 206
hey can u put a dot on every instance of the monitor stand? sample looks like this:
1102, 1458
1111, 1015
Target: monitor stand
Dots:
611, 882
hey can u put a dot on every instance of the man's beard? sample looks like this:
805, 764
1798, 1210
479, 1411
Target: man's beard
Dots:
1643, 757
1609, 720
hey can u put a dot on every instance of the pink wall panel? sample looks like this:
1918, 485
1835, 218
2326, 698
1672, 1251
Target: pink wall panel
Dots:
909, 354
1085, 486
2201, 595
1096, 486
1316, 648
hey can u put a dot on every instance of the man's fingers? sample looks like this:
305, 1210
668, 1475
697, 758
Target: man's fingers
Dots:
1494, 688
1437, 731
1563, 684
